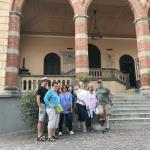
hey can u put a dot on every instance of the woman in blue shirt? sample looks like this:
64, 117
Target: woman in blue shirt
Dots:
52, 100
66, 103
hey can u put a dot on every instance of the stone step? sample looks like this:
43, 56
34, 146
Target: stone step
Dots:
130, 103
132, 126
129, 107
130, 94
129, 111
121, 111
129, 121
130, 99
131, 115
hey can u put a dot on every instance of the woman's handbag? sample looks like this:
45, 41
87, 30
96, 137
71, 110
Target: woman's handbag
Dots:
76, 110
99, 110
58, 108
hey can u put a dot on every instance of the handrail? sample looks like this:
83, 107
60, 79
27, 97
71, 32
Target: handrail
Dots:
32, 82
109, 74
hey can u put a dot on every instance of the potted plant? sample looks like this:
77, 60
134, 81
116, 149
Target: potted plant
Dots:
85, 78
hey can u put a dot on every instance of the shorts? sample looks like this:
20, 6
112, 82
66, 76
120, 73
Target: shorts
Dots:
53, 118
104, 108
42, 114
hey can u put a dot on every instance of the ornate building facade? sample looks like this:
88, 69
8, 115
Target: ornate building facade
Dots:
56, 38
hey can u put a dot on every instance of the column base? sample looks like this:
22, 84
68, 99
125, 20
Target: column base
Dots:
11, 91
145, 90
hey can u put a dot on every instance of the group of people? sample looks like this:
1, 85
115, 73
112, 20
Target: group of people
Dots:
61, 102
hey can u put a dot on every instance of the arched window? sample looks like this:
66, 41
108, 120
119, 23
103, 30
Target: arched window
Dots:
127, 66
52, 64
94, 56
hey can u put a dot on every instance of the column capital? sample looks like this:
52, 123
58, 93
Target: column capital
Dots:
82, 17
141, 19
16, 14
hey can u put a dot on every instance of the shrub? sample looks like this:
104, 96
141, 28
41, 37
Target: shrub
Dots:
85, 78
29, 108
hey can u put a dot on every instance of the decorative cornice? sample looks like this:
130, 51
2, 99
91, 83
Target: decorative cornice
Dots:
81, 36
143, 38
12, 69
80, 17
144, 54
13, 51
141, 19
16, 14
81, 52
14, 33
144, 71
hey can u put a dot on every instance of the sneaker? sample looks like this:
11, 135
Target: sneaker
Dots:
84, 130
71, 133
60, 133
107, 130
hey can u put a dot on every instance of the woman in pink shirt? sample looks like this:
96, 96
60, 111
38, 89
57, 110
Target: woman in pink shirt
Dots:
91, 103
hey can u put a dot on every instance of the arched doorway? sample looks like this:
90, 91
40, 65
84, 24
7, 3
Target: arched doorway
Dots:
52, 64
94, 56
127, 66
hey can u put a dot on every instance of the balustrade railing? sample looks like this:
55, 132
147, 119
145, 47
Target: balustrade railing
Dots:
31, 82
110, 74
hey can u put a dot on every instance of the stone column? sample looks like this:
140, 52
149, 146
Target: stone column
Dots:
12, 53
80, 8
81, 45
143, 44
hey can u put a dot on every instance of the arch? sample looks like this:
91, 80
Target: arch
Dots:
17, 5
15, 15
127, 65
52, 64
80, 6
94, 52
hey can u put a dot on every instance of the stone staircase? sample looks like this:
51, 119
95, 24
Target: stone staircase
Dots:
130, 111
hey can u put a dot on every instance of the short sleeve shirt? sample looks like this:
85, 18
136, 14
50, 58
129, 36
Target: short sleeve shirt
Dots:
41, 92
82, 94
65, 100
52, 99
103, 95
92, 100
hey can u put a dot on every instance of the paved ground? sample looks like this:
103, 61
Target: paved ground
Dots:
116, 140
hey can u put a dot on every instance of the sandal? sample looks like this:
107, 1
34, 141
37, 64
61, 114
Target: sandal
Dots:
55, 137
51, 139
41, 138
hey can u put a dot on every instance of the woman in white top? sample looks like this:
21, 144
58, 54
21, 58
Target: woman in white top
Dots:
81, 104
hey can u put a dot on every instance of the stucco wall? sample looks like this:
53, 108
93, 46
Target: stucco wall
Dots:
10, 117
4, 20
35, 48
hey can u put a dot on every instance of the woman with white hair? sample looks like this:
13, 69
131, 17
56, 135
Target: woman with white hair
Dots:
81, 106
